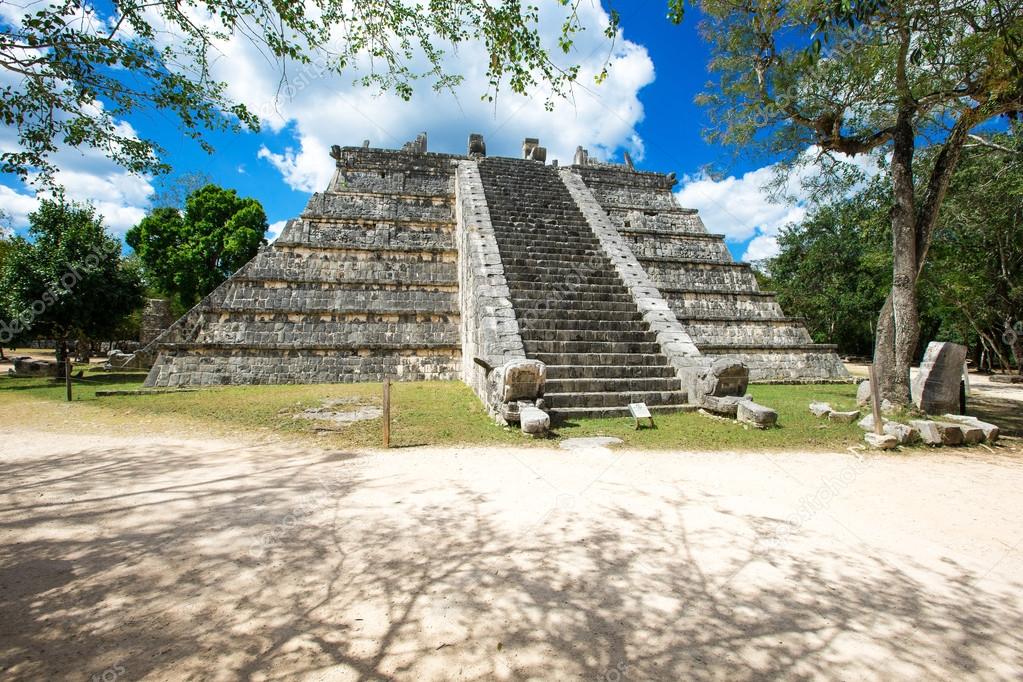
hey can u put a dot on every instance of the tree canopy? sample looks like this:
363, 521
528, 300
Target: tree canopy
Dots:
834, 268
68, 279
876, 76
188, 254
77, 67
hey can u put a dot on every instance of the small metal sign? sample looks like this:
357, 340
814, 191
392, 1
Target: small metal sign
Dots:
640, 411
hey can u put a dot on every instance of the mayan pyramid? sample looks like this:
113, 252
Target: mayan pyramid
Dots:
415, 265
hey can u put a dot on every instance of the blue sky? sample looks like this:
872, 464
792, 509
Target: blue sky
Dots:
646, 107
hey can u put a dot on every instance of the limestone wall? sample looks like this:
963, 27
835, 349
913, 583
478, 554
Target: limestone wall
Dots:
362, 286
489, 328
716, 301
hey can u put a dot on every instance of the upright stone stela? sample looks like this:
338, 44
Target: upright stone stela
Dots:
597, 272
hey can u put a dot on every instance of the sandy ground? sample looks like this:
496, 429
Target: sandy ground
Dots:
152, 558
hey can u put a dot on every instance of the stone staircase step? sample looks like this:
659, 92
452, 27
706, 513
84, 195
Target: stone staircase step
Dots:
541, 318
567, 304
589, 347
570, 293
613, 398
617, 384
556, 372
591, 335
601, 359
561, 324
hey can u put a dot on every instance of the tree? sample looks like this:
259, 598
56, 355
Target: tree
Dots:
833, 269
73, 68
67, 279
869, 77
187, 255
977, 264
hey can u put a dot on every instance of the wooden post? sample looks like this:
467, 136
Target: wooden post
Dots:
387, 413
875, 401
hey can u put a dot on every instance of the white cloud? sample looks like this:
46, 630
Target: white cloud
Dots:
274, 231
742, 209
17, 206
322, 109
759, 248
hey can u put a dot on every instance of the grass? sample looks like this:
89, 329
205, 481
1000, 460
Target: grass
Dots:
425, 413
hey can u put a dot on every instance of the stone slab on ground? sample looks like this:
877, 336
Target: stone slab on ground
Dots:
882, 441
726, 406
751, 413
844, 417
863, 393
991, 431
820, 409
938, 433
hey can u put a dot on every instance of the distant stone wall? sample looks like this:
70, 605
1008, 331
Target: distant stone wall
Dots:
156, 318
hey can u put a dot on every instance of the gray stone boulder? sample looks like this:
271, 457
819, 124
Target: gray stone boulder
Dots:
726, 406
844, 417
938, 433
990, 430
27, 367
723, 377
863, 393
820, 409
534, 422
882, 441
749, 412
935, 386
904, 433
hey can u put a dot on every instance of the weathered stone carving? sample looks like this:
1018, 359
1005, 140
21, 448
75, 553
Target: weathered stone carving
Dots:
534, 422
582, 157
751, 413
723, 377
477, 146
27, 367
936, 385
416, 146
528, 145
628, 161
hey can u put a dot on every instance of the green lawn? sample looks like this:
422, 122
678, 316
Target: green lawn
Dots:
427, 413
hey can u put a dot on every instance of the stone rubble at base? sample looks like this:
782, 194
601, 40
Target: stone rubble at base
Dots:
415, 265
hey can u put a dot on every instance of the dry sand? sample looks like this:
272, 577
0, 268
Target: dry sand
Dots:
162, 559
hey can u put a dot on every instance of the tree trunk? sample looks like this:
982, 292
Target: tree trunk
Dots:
898, 326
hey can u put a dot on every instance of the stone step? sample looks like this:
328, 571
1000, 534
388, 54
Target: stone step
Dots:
525, 289
569, 293
613, 398
583, 319
610, 385
769, 348
567, 414
593, 263
565, 305
601, 359
588, 346
559, 372
583, 275
618, 326
590, 335
544, 252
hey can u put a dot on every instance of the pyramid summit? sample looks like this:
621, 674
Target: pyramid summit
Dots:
415, 265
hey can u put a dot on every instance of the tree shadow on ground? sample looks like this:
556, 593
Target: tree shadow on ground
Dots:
243, 564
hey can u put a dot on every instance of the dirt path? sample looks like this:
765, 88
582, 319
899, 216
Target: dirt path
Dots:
162, 559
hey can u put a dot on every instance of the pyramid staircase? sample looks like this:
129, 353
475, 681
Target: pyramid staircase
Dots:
573, 310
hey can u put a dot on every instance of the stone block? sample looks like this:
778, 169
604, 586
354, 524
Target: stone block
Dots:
881, 441
863, 393
820, 409
844, 417
723, 377
534, 422
938, 433
990, 430
749, 412
523, 380
726, 406
935, 386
